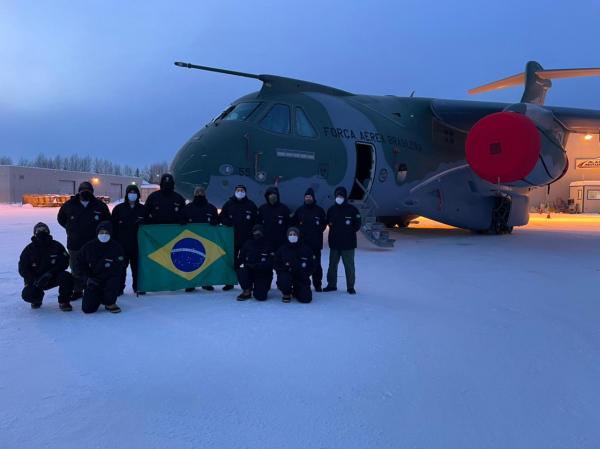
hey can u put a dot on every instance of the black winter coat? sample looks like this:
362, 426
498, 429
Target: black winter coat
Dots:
344, 222
39, 258
164, 208
201, 211
126, 222
257, 255
101, 261
80, 222
241, 214
312, 221
296, 258
276, 219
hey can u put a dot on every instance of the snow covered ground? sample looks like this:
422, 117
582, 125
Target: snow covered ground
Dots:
453, 341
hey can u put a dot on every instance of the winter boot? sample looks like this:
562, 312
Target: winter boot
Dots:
36, 305
228, 287
330, 289
246, 294
209, 288
65, 307
286, 298
190, 290
352, 291
113, 308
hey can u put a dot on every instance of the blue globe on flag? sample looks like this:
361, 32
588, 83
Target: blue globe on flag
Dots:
188, 255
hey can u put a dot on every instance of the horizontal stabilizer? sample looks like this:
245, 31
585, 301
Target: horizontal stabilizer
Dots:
536, 79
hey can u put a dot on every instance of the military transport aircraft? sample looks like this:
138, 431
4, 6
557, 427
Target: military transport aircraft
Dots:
464, 163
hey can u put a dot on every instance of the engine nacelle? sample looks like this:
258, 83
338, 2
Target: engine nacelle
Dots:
520, 147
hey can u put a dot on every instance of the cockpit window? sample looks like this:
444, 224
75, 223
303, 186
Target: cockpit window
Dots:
277, 119
240, 111
303, 126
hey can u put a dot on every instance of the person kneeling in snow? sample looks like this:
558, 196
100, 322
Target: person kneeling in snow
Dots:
256, 266
101, 261
43, 265
294, 263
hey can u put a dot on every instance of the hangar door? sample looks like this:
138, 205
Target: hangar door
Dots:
115, 191
66, 187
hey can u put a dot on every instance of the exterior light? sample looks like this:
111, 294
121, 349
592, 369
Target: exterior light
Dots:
588, 137
95, 181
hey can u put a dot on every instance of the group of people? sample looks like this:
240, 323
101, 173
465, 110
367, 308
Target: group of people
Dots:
101, 245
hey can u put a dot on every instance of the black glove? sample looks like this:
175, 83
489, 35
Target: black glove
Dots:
43, 280
91, 282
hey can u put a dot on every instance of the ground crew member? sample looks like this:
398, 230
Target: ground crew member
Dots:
165, 206
126, 219
275, 217
344, 222
79, 216
240, 213
255, 273
101, 261
294, 263
43, 265
201, 211
311, 219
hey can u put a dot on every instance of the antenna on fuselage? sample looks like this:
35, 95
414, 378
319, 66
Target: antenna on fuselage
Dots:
187, 65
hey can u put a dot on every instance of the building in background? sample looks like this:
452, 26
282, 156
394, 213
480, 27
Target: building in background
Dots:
584, 165
16, 181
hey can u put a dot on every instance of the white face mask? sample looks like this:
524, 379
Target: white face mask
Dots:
104, 237
132, 197
293, 238
239, 194
339, 199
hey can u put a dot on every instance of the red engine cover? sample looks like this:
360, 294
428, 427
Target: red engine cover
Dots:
503, 147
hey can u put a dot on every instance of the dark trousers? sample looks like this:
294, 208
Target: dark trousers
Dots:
131, 259
259, 281
347, 257
105, 293
64, 282
289, 283
78, 281
317, 276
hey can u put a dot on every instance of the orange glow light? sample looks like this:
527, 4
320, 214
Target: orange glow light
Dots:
95, 181
588, 137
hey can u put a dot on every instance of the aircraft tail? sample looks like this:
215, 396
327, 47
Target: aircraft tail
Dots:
537, 81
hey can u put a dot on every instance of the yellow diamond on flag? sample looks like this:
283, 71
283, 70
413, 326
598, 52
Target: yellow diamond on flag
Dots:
187, 255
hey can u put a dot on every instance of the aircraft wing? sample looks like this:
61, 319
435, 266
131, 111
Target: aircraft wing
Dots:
462, 115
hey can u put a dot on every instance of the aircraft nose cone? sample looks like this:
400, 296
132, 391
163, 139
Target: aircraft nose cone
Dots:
189, 167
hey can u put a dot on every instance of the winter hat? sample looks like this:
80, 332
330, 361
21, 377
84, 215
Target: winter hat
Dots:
341, 191
240, 186
293, 229
105, 225
132, 188
85, 185
271, 190
200, 190
167, 180
41, 227
310, 192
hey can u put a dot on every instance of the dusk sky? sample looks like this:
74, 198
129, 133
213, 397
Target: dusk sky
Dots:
97, 77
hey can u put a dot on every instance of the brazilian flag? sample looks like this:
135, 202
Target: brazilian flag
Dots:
174, 257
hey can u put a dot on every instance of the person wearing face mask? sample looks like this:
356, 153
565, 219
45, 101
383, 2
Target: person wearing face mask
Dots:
311, 219
344, 222
240, 213
201, 211
101, 262
126, 219
79, 216
165, 206
294, 263
275, 217
43, 265
255, 272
